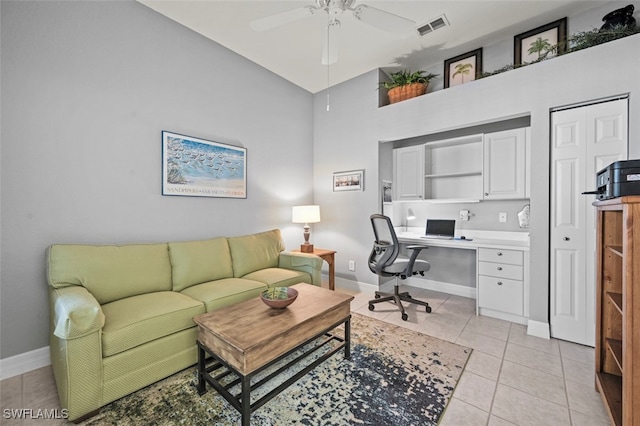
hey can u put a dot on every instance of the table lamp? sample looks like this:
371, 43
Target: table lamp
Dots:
410, 216
306, 215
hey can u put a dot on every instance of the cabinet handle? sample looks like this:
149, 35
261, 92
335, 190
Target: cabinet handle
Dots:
499, 282
566, 238
499, 268
499, 253
486, 193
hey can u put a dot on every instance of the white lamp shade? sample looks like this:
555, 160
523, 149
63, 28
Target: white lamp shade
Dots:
410, 215
305, 214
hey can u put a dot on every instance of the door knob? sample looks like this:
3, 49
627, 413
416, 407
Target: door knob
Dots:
566, 238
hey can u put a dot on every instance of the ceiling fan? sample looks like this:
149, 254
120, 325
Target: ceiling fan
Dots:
375, 17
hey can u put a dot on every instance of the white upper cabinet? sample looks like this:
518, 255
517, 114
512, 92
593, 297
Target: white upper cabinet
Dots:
490, 166
504, 168
408, 168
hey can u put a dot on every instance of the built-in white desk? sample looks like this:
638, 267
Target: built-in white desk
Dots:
501, 276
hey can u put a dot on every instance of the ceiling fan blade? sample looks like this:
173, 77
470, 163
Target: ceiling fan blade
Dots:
279, 19
384, 20
331, 43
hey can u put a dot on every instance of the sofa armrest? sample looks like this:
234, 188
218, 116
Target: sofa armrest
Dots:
304, 262
76, 313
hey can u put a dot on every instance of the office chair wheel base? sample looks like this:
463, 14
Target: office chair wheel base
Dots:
371, 307
405, 317
428, 309
377, 296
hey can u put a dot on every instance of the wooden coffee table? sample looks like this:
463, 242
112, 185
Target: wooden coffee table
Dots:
248, 337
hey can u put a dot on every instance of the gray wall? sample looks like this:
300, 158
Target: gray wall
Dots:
348, 136
87, 87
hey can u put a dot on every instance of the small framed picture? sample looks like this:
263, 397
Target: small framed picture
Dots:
542, 42
463, 68
348, 181
387, 192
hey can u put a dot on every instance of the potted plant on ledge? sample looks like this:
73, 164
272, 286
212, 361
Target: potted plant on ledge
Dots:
406, 85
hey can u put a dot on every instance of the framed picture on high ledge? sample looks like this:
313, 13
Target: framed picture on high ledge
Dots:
200, 168
542, 42
462, 68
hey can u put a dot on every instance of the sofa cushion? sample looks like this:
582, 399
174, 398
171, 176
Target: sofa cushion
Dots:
225, 292
257, 251
140, 319
110, 272
279, 277
196, 262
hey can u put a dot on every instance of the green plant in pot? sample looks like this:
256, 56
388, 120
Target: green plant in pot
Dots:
406, 84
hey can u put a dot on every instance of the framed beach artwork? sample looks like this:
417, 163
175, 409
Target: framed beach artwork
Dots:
348, 181
200, 168
540, 42
462, 68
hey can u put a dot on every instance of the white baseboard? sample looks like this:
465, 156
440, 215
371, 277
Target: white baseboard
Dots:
22, 363
538, 329
355, 285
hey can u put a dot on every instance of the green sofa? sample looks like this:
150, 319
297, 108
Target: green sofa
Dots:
121, 316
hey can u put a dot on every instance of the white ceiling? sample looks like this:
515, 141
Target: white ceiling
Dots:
294, 50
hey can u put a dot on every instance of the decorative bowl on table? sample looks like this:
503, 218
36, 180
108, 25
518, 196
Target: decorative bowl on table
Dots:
279, 297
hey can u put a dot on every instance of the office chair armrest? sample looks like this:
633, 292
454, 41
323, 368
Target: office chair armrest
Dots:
415, 251
417, 247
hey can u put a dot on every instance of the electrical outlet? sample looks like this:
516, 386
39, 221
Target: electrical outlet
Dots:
464, 214
352, 265
502, 217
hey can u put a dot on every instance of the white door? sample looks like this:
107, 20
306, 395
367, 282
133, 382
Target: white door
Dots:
583, 141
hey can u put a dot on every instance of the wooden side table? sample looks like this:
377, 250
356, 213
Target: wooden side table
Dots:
329, 257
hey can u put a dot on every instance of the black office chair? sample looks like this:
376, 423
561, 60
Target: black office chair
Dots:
385, 260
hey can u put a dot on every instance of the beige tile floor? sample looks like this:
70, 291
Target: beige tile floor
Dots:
511, 378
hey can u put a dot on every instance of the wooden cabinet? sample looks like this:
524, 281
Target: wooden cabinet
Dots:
408, 169
501, 283
504, 168
618, 308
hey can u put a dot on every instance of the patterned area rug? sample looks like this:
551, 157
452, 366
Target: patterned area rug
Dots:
395, 376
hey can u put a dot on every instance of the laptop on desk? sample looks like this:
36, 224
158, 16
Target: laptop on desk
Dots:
442, 229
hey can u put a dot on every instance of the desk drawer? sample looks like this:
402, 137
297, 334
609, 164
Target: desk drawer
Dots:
500, 294
513, 257
500, 270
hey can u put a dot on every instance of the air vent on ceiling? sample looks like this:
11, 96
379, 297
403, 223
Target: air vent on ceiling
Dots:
435, 24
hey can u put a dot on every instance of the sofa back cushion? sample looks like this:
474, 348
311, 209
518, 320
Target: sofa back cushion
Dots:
257, 251
110, 272
196, 262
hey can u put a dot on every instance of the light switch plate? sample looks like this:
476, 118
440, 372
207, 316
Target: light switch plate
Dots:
502, 217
